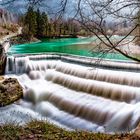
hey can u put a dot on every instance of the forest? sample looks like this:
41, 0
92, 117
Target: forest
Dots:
38, 24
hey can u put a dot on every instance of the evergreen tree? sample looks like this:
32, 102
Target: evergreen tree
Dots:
38, 21
30, 21
44, 23
37, 24
41, 26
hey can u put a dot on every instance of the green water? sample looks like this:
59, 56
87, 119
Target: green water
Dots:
74, 46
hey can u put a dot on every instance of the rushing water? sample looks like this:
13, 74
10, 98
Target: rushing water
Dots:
75, 96
73, 91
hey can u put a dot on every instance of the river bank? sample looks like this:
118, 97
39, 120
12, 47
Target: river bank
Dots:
37, 130
4, 46
22, 39
11, 91
43, 130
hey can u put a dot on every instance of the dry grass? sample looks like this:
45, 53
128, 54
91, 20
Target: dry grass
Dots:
45, 131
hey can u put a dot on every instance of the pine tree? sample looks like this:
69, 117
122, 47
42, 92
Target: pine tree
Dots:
38, 21
30, 21
38, 24
44, 23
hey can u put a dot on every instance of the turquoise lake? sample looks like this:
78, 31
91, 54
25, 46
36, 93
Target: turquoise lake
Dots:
73, 46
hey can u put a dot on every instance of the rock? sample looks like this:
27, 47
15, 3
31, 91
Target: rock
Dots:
1, 78
22, 39
10, 91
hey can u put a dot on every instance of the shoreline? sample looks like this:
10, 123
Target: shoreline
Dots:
57, 131
22, 39
4, 46
47, 131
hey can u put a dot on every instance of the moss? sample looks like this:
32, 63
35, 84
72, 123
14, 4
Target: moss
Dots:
45, 131
10, 91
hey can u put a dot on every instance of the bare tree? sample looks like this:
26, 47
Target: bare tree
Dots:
30, 1
95, 16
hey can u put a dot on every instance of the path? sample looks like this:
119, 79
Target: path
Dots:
5, 38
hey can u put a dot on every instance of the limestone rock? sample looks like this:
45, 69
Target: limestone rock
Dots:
10, 91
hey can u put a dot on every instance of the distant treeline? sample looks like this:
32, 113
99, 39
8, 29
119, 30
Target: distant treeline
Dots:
38, 24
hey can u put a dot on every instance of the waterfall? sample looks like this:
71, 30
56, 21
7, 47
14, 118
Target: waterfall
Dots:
79, 93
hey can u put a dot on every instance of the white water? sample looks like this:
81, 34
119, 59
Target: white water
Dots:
75, 96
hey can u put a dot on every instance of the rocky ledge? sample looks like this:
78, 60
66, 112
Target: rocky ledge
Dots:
10, 91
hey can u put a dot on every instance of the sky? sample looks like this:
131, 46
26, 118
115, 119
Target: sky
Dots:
50, 6
20, 6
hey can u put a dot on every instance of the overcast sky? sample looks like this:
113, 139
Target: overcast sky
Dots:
20, 6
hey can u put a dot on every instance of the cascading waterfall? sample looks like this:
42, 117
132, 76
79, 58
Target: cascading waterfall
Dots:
76, 96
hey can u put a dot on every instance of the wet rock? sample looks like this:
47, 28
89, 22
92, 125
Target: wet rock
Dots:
1, 78
10, 91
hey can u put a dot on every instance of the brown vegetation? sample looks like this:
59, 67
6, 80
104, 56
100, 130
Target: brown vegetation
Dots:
7, 29
45, 131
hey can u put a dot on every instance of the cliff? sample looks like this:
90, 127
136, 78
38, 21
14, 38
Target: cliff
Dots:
7, 17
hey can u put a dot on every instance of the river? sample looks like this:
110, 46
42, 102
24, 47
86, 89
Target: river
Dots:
74, 46
73, 91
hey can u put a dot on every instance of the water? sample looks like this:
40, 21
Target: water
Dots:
63, 86
75, 46
75, 93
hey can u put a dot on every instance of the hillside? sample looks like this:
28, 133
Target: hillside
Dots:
8, 22
7, 17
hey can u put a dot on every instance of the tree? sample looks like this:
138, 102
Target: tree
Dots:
38, 16
44, 23
92, 13
35, 23
50, 29
30, 22
42, 20
115, 10
138, 28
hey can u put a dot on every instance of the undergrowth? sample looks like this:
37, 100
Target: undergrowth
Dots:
37, 130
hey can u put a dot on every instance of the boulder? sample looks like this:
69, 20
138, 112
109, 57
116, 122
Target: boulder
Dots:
10, 91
